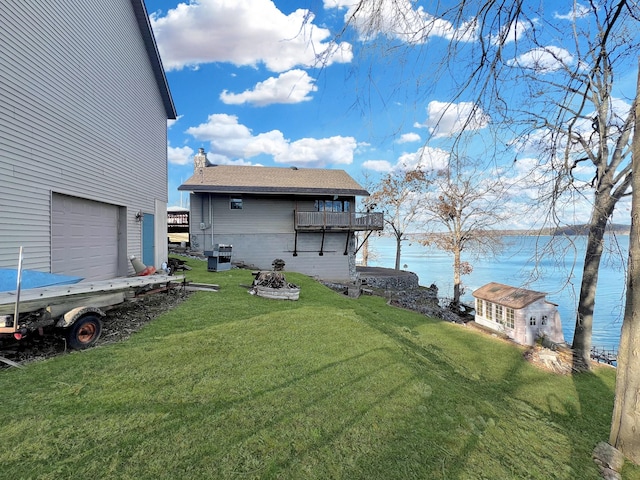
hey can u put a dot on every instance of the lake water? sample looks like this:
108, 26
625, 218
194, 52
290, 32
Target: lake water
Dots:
558, 274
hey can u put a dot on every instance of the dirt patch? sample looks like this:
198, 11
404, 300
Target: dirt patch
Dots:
119, 324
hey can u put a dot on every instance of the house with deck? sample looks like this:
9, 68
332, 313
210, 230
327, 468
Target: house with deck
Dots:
83, 142
178, 225
304, 216
523, 315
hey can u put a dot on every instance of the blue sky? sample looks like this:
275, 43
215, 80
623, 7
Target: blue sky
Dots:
247, 87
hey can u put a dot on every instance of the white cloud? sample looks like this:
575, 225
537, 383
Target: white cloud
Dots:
180, 155
398, 19
171, 122
426, 158
544, 59
339, 3
226, 135
249, 32
271, 143
293, 86
409, 138
578, 11
445, 119
319, 152
377, 165
232, 142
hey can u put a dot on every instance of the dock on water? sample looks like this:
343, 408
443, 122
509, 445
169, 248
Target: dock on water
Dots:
602, 355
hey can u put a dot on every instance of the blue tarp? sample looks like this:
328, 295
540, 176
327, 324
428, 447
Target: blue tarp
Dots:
32, 279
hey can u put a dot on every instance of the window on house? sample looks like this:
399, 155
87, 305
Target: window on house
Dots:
332, 205
544, 320
489, 311
499, 317
532, 320
235, 203
510, 323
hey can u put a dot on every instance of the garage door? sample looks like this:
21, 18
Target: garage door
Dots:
84, 238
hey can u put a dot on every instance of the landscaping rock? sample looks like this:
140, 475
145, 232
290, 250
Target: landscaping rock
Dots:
609, 459
558, 360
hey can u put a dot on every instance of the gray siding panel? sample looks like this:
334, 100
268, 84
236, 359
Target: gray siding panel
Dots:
259, 251
258, 215
263, 231
80, 114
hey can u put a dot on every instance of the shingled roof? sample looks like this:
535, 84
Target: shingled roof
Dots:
272, 180
512, 297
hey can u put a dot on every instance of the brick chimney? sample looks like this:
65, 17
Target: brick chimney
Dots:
199, 159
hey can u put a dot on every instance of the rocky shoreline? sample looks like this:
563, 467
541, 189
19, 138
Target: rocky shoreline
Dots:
401, 289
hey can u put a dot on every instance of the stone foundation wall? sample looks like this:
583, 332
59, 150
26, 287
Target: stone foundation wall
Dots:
406, 281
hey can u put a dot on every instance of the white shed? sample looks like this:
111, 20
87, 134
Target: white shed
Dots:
523, 315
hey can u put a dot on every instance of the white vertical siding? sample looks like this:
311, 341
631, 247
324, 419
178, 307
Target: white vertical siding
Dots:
81, 114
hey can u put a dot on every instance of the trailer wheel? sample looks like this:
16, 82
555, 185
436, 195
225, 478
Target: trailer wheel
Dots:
84, 332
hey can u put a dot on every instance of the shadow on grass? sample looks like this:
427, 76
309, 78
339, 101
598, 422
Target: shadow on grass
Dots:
558, 432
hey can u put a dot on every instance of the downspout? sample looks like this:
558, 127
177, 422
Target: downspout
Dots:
295, 227
211, 219
202, 224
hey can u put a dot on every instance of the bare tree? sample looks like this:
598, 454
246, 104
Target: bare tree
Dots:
587, 125
570, 96
461, 210
368, 205
397, 196
625, 421
568, 117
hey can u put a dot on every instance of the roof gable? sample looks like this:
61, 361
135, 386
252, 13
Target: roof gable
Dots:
508, 296
272, 180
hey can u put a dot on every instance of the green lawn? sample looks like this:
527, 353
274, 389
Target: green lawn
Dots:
230, 385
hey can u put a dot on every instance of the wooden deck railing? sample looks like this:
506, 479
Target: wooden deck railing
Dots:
338, 221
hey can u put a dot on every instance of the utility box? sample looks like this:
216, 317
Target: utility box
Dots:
219, 258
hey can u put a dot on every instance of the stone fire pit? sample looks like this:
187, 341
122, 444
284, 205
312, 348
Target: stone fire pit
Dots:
274, 285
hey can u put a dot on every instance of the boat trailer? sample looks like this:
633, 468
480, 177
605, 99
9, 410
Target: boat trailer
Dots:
76, 309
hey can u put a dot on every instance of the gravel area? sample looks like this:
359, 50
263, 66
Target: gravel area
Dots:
120, 323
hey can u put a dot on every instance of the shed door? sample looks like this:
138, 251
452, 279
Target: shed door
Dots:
84, 238
148, 239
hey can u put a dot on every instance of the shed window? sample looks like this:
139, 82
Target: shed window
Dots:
510, 323
532, 320
479, 307
235, 203
544, 320
489, 311
499, 317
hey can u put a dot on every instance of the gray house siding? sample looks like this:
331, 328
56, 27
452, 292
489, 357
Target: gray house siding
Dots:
81, 116
263, 230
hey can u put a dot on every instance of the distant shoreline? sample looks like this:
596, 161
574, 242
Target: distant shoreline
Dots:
568, 231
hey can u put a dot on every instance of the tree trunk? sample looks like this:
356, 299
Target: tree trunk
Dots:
398, 250
593, 255
456, 277
625, 423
